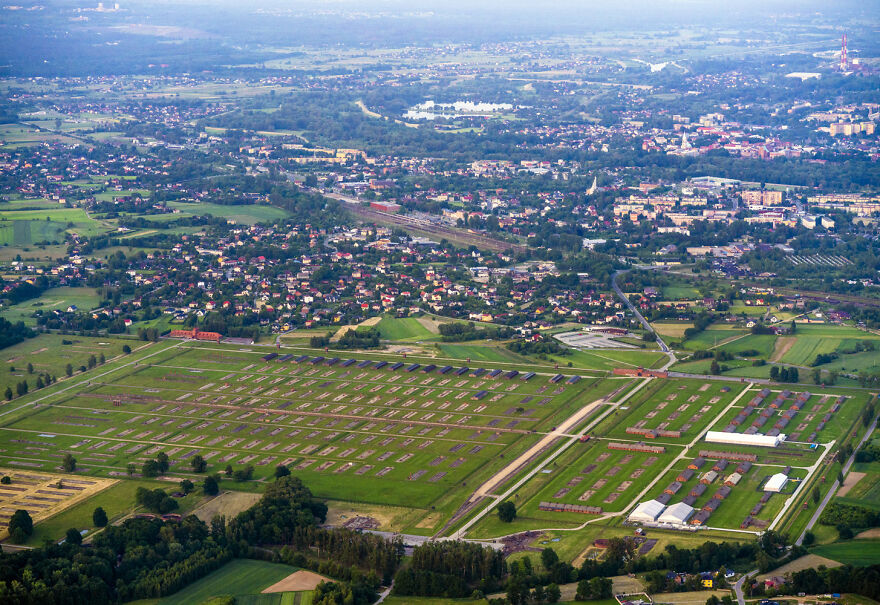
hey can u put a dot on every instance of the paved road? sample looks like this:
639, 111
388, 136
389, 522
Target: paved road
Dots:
640, 317
737, 588
835, 485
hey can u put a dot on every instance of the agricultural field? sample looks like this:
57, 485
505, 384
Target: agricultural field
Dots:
404, 438
405, 329
851, 552
242, 579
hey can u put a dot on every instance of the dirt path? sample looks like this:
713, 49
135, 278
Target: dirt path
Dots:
850, 482
782, 346
545, 442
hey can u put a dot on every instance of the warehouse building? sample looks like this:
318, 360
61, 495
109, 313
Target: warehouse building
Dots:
677, 514
744, 439
646, 512
776, 483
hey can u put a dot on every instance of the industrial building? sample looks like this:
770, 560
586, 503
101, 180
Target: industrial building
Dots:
677, 514
776, 483
743, 439
646, 512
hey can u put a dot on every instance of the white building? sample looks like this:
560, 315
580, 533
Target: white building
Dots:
776, 483
677, 514
646, 512
743, 439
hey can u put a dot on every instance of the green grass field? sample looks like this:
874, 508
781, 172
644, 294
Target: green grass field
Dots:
236, 578
117, 501
54, 299
47, 353
478, 353
826, 338
852, 552
246, 214
423, 437
404, 329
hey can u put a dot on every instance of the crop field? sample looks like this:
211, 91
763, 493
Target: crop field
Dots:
404, 328
237, 578
866, 492
815, 339
27, 232
412, 438
480, 353
713, 336
680, 293
852, 552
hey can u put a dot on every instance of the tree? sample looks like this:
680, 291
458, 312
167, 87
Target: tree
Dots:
40, 384
73, 536
809, 538
507, 511
281, 471
150, 469
8, 394
68, 369
186, 486
30, 368
816, 495
162, 459
92, 361
99, 517
68, 463
211, 486
844, 531
21, 388
102, 359
712, 600
126, 349
549, 558
714, 368
198, 464
6, 480
774, 373
21, 526
228, 470
131, 469
552, 594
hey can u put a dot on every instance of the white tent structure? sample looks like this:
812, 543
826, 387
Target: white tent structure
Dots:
646, 512
743, 439
677, 514
776, 483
